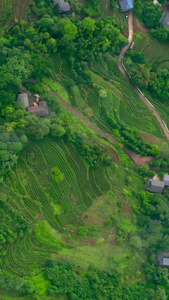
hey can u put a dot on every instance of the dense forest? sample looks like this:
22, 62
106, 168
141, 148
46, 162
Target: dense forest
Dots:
55, 170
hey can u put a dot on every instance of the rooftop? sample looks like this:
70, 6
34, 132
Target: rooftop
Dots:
126, 5
63, 6
165, 261
165, 19
23, 99
157, 183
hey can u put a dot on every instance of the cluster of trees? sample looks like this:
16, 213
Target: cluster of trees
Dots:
152, 218
130, 137
151, 16
144, 76
17, 284
162, 162
148, 13
92, 152
67, 279
161, 34
96, 284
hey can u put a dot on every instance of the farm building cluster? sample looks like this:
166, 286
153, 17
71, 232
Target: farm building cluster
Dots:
157, 186
33, 105
63, 6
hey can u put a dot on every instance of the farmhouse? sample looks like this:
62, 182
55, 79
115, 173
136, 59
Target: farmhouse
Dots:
165, 19
126, 5
23, 100
154, 186
163, 259
37, 108
166, 180
63, 6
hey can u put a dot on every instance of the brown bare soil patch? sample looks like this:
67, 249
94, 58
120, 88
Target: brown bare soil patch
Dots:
139, 160
156, 177
139, 27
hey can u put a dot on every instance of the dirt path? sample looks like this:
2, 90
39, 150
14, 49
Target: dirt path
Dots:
78, 114
125, 74
139, 27
139, 160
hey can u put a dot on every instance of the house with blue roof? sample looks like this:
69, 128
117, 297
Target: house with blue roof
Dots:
126, 5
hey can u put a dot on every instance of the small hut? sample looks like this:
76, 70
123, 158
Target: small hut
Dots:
154, 186
63, 6
126, 5
23, 100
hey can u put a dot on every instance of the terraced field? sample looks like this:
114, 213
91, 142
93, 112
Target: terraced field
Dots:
32, 194
122, 102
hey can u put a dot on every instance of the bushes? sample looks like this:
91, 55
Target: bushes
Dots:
130, 137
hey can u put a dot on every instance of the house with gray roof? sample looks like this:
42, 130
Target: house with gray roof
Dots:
23, 100
154, 186
166, 180
126, 5
163, 260
165, 19
63, 6
40, 110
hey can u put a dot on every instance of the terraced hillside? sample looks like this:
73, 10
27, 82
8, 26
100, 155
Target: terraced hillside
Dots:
121, 101
34, 191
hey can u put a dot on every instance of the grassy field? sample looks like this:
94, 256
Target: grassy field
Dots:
155, 52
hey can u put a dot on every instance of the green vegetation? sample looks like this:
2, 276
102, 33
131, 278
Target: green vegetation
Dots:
149, 13
76, 222
156, 54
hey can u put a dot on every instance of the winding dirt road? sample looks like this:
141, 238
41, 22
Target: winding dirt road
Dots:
139, 160
126, 75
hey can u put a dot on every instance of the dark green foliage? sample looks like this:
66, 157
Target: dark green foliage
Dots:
161, 34
130, 138
149, 13
94, 285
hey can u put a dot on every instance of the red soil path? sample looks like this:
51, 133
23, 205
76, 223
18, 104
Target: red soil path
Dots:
139, 27
139, 160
